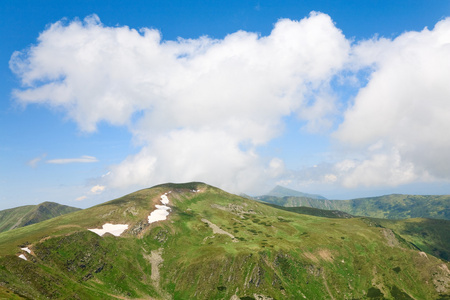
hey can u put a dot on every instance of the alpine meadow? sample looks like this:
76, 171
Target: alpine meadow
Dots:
216, 245
229, 150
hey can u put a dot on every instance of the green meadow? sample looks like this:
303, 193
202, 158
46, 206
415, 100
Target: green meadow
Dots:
215, 245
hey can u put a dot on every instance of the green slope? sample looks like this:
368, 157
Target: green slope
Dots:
293, 201
305, 210
214, 245
428, 235
31, 214
388, 207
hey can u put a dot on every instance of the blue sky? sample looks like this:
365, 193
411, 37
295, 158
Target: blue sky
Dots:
342, 98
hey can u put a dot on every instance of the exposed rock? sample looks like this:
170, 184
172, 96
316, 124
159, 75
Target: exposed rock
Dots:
262, 297
130, 210
235, 209
162, 236
138, 228
390, 237
441, 279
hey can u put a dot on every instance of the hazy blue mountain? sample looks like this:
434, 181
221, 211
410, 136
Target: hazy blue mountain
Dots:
279, 191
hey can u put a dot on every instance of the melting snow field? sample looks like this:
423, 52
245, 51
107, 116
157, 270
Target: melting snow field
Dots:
26, 249
161, 212
114, 229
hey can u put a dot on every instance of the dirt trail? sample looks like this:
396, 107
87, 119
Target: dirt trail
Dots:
218, 230
155, 259
326, 286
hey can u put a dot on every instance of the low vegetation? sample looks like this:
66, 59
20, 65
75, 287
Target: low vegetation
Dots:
216, 245
31, 214
387, 207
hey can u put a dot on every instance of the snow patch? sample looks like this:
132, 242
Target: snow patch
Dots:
164, 199
23, 257
26, 249
114, 229
161, 212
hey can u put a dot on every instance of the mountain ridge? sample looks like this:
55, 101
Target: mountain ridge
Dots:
30, 214
214, 245
280, 191
392, 206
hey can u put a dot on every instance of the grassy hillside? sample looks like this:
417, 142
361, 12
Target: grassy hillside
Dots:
31, 214
293, 201
427, 235
388, 207
214, 245
305, 210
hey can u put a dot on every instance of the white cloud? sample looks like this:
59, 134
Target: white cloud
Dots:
400, 120
200, 108
211, 156
34, 162
330, 178
82, 159
205, 105
97, 189
384, 169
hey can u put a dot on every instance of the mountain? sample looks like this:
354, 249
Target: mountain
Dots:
30, 214
280, 191
427, 235
399, 206
215, 245
394, 206
314, 211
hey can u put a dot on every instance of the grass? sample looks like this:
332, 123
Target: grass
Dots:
428, 235
31, 214
394, 206
279, 253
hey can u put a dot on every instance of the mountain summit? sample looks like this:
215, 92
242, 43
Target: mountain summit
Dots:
30, 214
205, 243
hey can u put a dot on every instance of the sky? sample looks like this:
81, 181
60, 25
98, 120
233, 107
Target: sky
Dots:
345, 99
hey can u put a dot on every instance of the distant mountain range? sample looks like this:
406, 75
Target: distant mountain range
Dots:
31, 214
393, 206
216, 245
280, 192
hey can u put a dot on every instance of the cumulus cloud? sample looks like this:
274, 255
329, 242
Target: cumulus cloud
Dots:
97, 189
199, 107
384, 169
34, 162
81, 198
400, 119
82, 159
